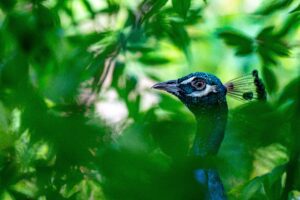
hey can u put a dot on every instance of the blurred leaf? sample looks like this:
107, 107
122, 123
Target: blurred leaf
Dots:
181, 7
14, 72
158, 25
107, 48
112, 7
89, 8
266, 40
152, 59
170, 104
139, 48
296, 9
23, 32
173, 143
273, 5
136, 37
242, 43
270, 79
193, 16
267, 186
290, 91
117, 75
25, 189
46, 19
153, 76
131, 83
86, 40
246, 118
270, 45
291, 23
162, 26
131, 96
179, 36
7, 5
145, 169
151, 7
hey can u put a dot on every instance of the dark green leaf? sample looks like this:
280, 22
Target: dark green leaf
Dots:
242, 43
270, 79
194, 16
291, 23
139, 48
151, 7
153, 59
179, 36
273, 5
117, 74
89, 8
266, 187
291, 91
270, 45
7, 5
112, 7
296, 9
181, 7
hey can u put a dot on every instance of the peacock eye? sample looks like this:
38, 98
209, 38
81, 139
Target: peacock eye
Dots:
198, 84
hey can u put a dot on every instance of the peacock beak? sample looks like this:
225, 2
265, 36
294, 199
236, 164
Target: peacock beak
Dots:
168, 86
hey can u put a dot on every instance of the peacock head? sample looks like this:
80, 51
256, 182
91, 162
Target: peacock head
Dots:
196, 90
200, 90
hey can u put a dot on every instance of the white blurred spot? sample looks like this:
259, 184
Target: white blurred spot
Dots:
111, 109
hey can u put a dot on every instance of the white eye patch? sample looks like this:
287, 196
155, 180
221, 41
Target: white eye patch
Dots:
187, 81
208, 89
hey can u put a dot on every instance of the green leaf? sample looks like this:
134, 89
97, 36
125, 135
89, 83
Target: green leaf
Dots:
272, 182
296, 9
266, 187
173, 143
265, 55
117, 75
131, 83
151, 7
181, 7
162, 26
139, 48
270, 45
89, 8
112, 6
194, 16
270, 79
179, 36
153, 59
14, 71
7, 5
273, 6
242, 43
290, 91
88, 39
291, 23
253, 190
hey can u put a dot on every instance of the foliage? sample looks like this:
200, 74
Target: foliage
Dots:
62, 63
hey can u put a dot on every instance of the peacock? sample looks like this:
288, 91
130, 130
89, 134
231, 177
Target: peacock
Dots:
205, 96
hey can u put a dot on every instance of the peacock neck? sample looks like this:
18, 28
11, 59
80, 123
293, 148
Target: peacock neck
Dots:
211, 124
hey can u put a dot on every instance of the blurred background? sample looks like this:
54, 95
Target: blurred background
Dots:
78, 117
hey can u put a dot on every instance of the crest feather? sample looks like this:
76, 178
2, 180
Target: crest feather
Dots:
246, 88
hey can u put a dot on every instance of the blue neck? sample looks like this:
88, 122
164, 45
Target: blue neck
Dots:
211, 124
